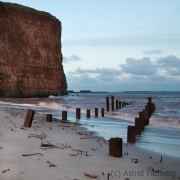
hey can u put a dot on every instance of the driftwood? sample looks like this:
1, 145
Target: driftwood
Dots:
66, 146
32, 154
108, 174
50, 164
135, 160
90, 175
5, 170
41, 136
49, 145
79, 151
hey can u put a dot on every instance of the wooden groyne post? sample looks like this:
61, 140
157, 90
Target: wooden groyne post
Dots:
78, 113
107, 104
138, 126
48, 117
115, 147
96, 112
117, 104
29, 118
88, 113
112, 103
141, 116
102, 112
131, 134
64, 115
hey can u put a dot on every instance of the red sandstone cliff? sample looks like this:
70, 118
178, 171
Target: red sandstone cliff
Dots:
30, 53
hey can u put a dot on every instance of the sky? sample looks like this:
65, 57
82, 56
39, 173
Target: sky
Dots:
118, 45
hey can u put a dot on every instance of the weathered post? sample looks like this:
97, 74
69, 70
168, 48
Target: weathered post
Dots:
112, 103
64, 115
78, 113
131, 134
147, 114
141, 116
96, 112
29, 118
102, 112
48, 117
88, 113
115, 147
117, 104
138, 126
145, 117
123, 103
149, 99
107, 104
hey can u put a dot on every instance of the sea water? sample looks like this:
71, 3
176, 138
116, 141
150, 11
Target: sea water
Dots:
161, 135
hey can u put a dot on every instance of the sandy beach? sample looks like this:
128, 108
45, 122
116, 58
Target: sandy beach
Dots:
66, 151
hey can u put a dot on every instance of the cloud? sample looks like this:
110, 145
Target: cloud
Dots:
98, 71
71, 58
132, 83
135, 74
142, 67
169, 61
171, 64
155, 51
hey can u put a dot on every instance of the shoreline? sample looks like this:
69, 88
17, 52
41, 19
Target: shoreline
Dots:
14, 142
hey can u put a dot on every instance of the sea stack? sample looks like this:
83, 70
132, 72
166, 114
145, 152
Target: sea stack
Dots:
30, 53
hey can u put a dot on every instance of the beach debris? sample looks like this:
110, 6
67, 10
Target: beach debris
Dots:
161, 159
12, 130
102, 173
50, 164
23, 128
135, 160
108, 174
4, 171
41, 136
79, 151
32, 154
152, 169
49, 145
90, 175
66, 146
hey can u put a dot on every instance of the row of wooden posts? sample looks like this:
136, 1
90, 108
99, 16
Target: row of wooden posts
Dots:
116, 144
119, 104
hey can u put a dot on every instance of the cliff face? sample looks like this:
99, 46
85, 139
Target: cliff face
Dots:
30, 53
